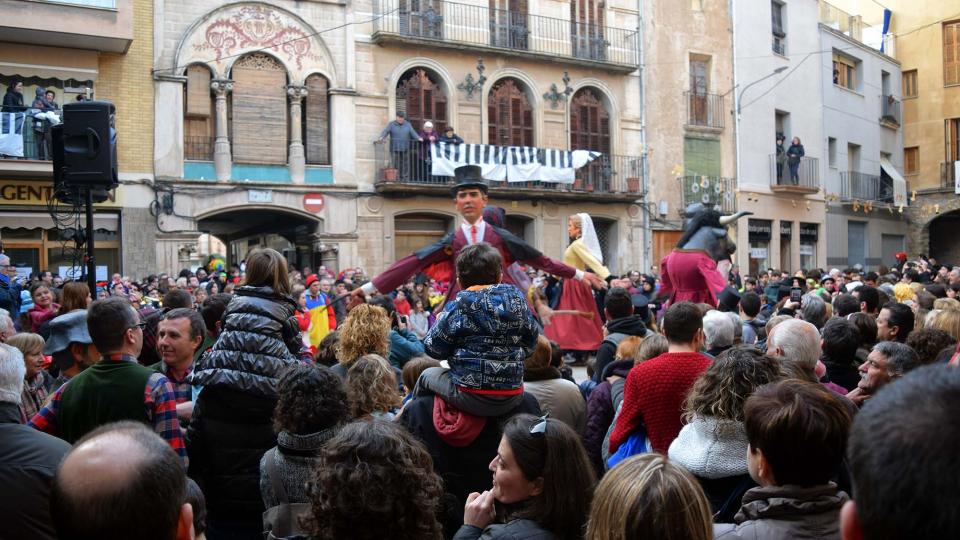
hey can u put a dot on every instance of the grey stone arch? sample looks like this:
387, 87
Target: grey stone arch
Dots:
243, 226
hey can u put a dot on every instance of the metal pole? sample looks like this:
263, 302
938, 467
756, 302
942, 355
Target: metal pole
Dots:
91, 264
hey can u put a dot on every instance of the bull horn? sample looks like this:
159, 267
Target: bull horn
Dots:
727, 220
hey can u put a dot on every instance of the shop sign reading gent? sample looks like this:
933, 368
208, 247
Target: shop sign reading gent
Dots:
38, 194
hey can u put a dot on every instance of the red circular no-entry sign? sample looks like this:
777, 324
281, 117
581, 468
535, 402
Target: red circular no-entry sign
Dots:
313, 202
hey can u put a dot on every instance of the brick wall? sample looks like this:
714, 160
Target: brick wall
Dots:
126, 80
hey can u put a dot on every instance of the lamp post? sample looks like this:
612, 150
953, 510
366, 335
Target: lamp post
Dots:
777, 71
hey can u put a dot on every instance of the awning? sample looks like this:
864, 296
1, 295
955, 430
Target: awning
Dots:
42, 220
899, 183
48, 62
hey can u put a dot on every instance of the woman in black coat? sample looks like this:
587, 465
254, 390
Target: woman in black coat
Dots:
232, 422
794, 153
13, 98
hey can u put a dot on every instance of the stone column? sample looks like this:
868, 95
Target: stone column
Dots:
297, 160
222, 160
168, 128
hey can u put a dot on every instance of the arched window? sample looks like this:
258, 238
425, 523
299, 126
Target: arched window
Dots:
198, 119
586, 21
509, 115
316, 120
414, 231
259, 110
421, 97
590, 130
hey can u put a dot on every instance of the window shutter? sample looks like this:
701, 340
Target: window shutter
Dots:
317, 121
951, 53
199, 103
259, 110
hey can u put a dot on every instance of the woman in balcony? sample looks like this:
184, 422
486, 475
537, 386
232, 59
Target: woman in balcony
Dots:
574, 332
428, 136
794, 153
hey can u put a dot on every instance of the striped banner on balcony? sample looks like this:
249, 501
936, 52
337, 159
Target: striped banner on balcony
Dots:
510, 163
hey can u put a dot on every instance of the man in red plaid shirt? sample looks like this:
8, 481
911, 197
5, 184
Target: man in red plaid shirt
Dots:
115, 388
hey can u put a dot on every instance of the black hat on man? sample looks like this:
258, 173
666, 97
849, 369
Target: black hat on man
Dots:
468, 176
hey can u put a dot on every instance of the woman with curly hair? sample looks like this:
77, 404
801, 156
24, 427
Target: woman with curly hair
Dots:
365, 331
374, 481
372, 388
542, 485
312, 405
713, 443
648, 496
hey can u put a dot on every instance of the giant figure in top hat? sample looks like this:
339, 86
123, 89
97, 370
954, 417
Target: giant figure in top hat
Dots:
437, 260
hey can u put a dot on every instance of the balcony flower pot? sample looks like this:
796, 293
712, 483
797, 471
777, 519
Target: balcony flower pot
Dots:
390, 174
590, 187
633, 185
578, 184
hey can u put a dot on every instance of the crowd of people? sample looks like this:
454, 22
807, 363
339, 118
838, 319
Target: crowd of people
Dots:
268, 401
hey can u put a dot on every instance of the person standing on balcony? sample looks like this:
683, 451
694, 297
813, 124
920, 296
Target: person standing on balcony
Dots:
794, 153
781, 157
450, 137
13, 99
429, 136
437, 260
402, 136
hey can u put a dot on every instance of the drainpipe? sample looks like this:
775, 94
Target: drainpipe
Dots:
644, 175
736, 108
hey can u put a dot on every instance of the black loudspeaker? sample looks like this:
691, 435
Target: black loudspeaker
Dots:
68, 194
89, 146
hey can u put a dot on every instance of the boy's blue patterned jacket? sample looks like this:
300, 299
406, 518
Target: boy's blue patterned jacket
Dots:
485, 334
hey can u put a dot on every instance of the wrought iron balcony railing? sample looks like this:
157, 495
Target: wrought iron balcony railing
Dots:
890, 110
705, 110
716, 190
948, 175
794, 175
606, 175
779, 46
858, 186
198, 148
452, 25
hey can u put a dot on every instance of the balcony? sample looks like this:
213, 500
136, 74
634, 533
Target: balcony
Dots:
948, 176
449, 25
841, 21
607, 178
715, 190
801, 177
858, 186
779, 46
25, 149
98, 25
704, 110
889, 111
197, 148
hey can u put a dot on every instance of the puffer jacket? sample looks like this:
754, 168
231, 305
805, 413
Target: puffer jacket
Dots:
600, 411
485, 334
518, 529
260, 339
232, 422
787, 513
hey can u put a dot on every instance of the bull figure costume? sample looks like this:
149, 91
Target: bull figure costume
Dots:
696, 270
438, 260
576, 332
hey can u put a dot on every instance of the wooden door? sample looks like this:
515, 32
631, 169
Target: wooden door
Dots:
509, 115
422, 99
663, 244
508, 24
590, 130
259, 110
586, 18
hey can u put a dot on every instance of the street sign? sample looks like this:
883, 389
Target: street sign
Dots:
313, 202
259, 195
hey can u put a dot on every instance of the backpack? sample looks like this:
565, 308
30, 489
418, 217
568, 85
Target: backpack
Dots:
283, 520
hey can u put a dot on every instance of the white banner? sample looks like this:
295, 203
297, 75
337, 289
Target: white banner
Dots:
758, 253
510, 163
956, 177
11, 133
